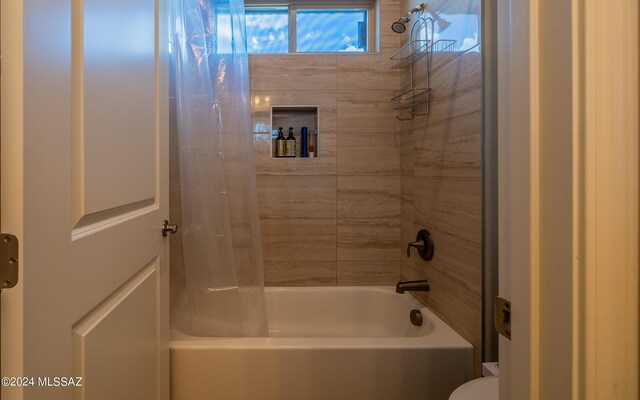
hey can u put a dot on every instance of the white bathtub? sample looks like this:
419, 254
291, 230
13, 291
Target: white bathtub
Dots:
351, 343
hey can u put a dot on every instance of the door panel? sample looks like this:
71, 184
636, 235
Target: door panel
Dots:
130, 315
113, 57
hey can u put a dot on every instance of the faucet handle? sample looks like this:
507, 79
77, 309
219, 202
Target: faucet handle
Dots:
424, 245
418, 244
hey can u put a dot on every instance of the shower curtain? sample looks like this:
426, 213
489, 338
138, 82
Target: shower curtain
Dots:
221, 292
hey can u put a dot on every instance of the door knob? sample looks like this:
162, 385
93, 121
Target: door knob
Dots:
168, 229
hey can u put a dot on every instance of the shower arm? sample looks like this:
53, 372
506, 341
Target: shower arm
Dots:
418, 8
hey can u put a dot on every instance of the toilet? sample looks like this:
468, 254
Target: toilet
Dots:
477, 389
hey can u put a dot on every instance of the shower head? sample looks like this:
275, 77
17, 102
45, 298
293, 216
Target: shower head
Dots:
400, 26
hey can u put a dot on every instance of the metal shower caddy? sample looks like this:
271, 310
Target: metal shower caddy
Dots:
417, 100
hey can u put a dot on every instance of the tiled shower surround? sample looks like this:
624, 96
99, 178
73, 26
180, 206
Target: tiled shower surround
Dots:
346, 217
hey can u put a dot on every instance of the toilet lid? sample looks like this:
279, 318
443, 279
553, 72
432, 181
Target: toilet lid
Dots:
477, 389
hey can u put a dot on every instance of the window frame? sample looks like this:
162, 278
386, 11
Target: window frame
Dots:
294, 5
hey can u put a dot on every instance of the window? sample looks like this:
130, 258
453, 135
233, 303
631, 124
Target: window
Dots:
331, 30
267, 29
306, 28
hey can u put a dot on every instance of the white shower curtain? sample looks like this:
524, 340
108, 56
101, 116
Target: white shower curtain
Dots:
222, 293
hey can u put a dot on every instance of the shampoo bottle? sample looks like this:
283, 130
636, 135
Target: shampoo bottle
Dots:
291, 144
304, 142
280, 144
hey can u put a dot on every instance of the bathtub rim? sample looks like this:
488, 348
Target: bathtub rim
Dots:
441, 337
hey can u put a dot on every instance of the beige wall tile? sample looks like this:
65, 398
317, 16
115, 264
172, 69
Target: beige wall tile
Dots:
368, 239
367, 72
297, 196
407, 208
450, 205
372, 273
300, 273
294, 82
291, 64
368, 153
298, 239
368, 197
407, 273
450, 148
368, 159
390, 139
366, 111
407, 153
293, 72
406, 198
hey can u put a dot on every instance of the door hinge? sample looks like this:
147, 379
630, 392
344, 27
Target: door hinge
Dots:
502, 316
8, 260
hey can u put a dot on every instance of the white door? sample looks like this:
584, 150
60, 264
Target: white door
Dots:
85, 188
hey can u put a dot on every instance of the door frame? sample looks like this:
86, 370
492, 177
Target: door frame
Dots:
568, 99
608, 303
11, 168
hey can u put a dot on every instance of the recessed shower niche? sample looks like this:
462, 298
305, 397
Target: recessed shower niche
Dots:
297, 117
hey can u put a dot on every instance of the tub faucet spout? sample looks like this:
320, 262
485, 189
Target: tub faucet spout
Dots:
412, 286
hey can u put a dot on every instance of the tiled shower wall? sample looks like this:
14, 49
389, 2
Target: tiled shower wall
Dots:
333, 220
442, 186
